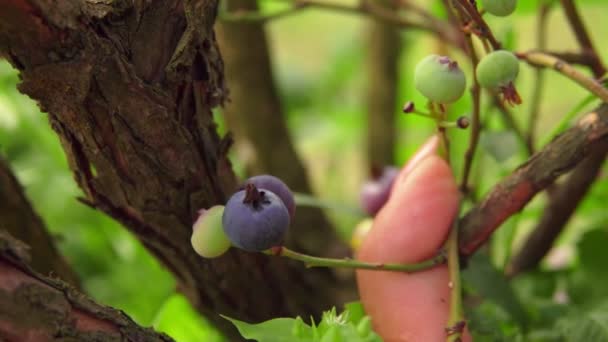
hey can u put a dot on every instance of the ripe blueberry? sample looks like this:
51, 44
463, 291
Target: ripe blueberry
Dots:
276, 186
499, 8
375, 192
439, 79
255, 219
208, 237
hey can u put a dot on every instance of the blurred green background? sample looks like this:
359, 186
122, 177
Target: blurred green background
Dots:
319, 59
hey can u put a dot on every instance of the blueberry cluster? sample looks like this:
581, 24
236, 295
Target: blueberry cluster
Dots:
441, 80
254, 219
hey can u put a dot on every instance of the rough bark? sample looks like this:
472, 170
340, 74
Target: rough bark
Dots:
129, 87
541, 170
35, 308
254, 114
384, 47
562, 204
19, 218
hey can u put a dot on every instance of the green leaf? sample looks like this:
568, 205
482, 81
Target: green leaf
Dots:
345, 327
587, 327
179, 320
490, 323
274, 330
592, 251
491, 284
355, 311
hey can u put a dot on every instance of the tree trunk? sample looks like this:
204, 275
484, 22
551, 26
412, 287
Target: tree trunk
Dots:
129, 88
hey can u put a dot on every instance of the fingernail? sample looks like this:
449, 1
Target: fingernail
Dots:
429, 148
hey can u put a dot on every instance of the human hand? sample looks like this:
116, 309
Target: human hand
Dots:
410, 228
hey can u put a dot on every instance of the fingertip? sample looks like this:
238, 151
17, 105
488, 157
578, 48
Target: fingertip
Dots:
414, 223
411, 228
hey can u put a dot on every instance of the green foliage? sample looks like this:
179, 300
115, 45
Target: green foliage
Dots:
178, 319
349, 326
491, 284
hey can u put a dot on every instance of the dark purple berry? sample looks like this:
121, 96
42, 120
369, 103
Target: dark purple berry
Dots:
278, 187
375, 192
255, 219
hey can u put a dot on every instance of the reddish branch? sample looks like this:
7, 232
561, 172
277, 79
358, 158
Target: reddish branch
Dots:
514, 192
483, 29
36, 308
562, 205
565, 198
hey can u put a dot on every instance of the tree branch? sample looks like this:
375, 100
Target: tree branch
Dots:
541, 59
563, 202
513, 193
539, 79
19, 218
37, 308
583, 37
427, 23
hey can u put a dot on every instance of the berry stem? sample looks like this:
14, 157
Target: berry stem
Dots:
253, 196
312, 261
456, 321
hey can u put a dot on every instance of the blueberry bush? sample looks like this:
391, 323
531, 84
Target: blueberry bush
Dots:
231, 155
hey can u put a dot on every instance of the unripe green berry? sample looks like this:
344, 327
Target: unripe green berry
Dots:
208, 237
497, 69
439, 79
499, 8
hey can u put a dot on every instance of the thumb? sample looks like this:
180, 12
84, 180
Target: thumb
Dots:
410, 228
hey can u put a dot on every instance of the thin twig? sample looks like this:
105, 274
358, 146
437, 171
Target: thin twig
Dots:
485, 31
312, 261
548, 61
583, 37
539, 77
476, 99
581, 58
260, 17
455, 324
426, 23
511, 123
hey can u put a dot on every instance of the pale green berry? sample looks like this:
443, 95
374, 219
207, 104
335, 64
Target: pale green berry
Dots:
439, 79
497, 69
208, 237
499, 8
